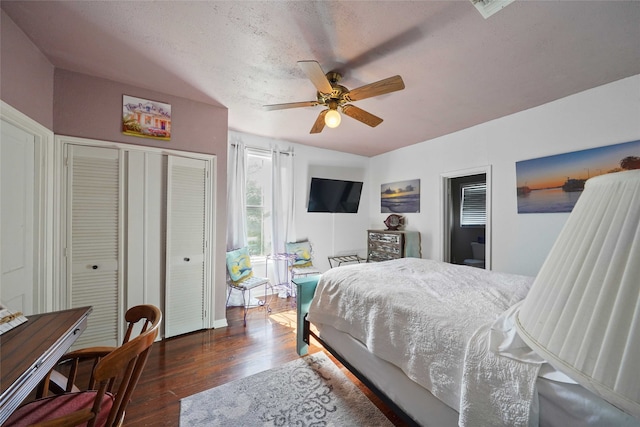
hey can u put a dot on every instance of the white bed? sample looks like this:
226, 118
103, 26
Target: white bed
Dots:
417, 331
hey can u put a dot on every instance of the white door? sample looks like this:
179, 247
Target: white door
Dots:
187, 228
93, 240
17, 156
145, 228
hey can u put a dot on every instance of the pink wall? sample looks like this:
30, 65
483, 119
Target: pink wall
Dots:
26, 75
91, 107
74, 104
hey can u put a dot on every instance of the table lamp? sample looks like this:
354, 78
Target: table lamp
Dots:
582, 313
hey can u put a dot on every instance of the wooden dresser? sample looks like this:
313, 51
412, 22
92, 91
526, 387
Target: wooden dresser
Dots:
383, 245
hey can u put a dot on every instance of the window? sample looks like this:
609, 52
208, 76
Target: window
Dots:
258, 202
473, 205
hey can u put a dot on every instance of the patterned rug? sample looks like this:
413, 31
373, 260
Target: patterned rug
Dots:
310, 391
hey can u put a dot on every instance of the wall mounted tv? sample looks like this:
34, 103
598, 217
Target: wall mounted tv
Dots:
333, 195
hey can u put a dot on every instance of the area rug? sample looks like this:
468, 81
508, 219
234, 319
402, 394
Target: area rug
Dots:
310, 391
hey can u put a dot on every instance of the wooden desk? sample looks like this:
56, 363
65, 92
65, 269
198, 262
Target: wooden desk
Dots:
29, 351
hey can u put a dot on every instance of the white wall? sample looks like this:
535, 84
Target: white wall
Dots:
330, 234
605, 115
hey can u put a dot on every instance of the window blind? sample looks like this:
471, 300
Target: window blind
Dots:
473, 211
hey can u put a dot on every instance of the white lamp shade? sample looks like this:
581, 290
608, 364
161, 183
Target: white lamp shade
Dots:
582, 313
332, 119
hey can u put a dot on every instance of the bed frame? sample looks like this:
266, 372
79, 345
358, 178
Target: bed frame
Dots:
305, 290
554, 399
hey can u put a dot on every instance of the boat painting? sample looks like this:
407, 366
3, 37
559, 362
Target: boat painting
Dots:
573, 185
553, 184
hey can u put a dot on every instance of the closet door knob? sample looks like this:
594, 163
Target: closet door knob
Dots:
95, 267
186, 259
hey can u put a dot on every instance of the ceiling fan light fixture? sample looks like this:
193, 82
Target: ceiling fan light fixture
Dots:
332, 119
337, 97
490, 7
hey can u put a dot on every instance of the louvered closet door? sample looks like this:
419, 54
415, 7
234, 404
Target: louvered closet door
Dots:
186, 245
94, 240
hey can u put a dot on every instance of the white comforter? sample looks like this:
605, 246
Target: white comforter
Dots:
416, 314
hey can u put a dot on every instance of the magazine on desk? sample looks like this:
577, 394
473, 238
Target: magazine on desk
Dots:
9, 319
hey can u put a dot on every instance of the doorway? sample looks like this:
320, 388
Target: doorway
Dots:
458, 232
26, 234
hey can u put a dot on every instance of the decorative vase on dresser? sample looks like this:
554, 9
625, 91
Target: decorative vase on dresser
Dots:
383, 245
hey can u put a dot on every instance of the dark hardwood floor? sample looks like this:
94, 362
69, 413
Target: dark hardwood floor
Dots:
185, 365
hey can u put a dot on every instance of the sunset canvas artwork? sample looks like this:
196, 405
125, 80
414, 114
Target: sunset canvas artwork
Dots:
400, 197
554, 183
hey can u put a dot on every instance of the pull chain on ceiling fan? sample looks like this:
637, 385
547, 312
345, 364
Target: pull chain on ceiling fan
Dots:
337, 97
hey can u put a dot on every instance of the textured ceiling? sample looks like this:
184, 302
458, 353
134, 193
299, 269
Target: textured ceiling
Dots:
459, 69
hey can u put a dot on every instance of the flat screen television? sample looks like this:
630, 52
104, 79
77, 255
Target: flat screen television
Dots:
334, 195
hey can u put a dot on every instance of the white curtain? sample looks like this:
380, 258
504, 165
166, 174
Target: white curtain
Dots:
282, 202
236, 205
236, 199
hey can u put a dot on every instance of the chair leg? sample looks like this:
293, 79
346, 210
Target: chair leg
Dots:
229, 295
246, 300
244, 306
292, 289
265, 303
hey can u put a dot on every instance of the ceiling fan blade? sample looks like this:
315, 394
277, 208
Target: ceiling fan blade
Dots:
290, 105
361, 115
313, 70
381, 87
319, 124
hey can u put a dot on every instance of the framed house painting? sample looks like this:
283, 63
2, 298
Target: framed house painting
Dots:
145, 118
400, 197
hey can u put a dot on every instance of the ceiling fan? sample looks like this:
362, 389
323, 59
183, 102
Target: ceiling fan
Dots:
335, 96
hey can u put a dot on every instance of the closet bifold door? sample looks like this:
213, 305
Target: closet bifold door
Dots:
94, 239
185, 291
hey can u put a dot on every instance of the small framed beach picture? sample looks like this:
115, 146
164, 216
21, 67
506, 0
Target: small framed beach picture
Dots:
400, 197
145, 118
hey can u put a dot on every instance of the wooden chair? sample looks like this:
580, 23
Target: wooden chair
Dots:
103, 403
150, 315
144, 317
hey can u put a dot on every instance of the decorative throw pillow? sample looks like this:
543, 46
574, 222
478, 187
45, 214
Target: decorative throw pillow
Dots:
239, 265
302, 252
